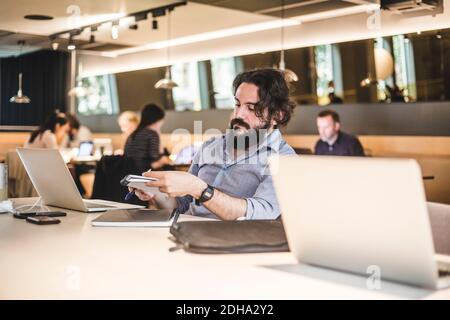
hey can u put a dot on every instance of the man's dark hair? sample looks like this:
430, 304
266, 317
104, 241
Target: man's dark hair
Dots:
150, 114
273, 92
73, 121
328, 112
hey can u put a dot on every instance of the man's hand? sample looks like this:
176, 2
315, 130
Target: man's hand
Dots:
142, 195
176, 183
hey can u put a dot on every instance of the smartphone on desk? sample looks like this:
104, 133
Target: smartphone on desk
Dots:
24, 215
42, 220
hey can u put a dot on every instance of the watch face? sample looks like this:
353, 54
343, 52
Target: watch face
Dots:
207, 194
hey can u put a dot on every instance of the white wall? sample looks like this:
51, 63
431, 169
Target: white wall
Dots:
346, 28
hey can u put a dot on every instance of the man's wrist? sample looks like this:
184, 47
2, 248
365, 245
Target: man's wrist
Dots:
201, 186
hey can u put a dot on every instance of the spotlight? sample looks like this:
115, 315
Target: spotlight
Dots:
53, 42
71, 45
115, 30
134, 27
140, 16
159, 12
439, 35
155, 24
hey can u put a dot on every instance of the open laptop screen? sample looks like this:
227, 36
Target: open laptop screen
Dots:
86, 148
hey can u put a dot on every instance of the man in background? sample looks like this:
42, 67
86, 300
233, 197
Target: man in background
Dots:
333, 141
77, 132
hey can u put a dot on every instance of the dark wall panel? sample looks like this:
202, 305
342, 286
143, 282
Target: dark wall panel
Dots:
136, 88
44, 82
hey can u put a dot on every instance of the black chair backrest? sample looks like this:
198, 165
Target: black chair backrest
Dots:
303, 151
110, 170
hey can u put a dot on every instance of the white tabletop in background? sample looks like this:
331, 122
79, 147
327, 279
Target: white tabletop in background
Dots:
43, 262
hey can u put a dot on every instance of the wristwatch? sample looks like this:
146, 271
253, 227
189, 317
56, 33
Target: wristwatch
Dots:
206, 195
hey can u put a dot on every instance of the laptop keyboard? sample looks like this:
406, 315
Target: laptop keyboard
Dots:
97, 205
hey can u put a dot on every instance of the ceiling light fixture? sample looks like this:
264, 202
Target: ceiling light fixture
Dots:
167, 82
115, 30
54, 43
140, 16
20, 97
71, 45
38, 17
114, 23
78, 90
289, 75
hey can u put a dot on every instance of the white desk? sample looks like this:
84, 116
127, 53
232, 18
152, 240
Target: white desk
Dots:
43, 262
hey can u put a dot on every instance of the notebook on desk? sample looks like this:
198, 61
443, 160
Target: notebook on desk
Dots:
135, 218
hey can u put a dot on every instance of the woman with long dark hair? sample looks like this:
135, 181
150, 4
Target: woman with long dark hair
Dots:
144, 144
50, 133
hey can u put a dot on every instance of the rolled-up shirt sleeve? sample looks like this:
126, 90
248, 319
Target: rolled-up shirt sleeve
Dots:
184, 202
263, 204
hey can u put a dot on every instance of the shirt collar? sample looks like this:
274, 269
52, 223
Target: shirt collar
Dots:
272, 141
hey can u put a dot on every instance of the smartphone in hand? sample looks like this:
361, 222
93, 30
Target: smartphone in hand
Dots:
139, 182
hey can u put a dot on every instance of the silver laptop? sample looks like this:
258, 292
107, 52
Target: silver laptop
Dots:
54, 184
359, 214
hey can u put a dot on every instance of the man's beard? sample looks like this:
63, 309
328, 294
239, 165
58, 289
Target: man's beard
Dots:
248, 138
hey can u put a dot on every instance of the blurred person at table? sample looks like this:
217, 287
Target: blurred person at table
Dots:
128, 122
334, 99
144, 144
333, 141
51, 132
77, 132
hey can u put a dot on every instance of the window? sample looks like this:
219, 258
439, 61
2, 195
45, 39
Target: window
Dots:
100, 96
224, 70
328, 67
187, 95
405, 76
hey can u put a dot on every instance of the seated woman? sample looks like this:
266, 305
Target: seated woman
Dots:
51, 133
128, 122
144, 144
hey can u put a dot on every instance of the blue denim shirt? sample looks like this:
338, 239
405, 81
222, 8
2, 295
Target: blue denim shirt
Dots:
246, 177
